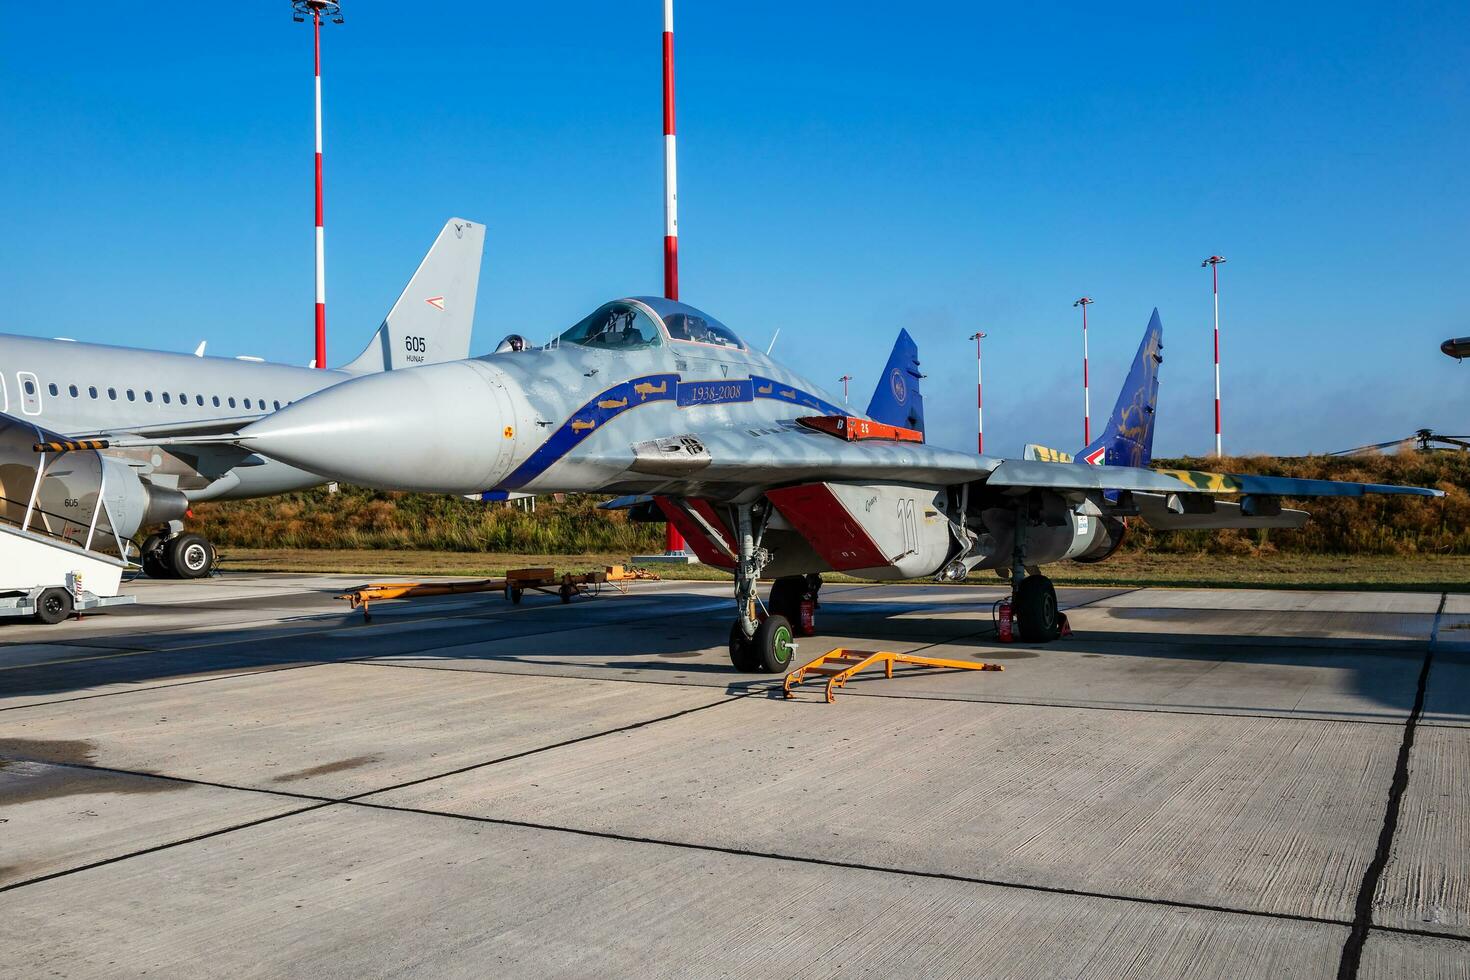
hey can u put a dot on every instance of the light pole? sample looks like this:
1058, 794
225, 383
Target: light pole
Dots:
979, 396
673, 540
844, 379
317, 10
1085, 302
1214, 263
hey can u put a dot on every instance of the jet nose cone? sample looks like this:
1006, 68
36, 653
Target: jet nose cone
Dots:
443, 427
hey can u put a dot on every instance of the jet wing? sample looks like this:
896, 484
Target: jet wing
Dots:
1154, 509
776, 454
1079, 476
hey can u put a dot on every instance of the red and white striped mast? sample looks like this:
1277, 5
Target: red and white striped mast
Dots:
673, 540
979, 396
1085, 302
1214, 263
318, 10
671, 177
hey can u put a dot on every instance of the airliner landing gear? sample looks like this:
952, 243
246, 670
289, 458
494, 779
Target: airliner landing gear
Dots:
757, 643
182, 555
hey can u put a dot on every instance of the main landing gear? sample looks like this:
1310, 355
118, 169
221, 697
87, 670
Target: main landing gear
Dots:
177, 554
1033, 597
765, 643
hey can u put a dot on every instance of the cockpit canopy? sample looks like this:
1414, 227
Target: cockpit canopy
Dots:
648, 321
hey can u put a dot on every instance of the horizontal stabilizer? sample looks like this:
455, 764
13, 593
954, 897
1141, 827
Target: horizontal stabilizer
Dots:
1045, 454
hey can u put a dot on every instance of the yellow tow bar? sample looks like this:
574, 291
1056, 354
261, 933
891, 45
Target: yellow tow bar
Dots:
839, 665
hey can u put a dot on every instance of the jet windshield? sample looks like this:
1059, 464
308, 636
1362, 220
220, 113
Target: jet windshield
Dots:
615, 326
700, 329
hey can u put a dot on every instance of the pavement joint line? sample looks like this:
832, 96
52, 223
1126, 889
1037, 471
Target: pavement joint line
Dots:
769, 685
187, 780
321, 802
852, 865
1352, 950
1425, 933
858, 682
728, 699
219, 832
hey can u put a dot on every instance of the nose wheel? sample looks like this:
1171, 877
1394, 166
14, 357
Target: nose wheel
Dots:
770, 651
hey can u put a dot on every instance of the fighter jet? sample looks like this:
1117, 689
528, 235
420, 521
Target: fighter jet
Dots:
764, 473
87, 392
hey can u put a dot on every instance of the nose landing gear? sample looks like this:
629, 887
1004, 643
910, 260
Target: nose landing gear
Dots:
757, 642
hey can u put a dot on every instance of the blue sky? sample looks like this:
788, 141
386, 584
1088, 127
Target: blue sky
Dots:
844, 170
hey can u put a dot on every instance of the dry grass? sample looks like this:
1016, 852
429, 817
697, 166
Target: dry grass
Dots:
1421, 574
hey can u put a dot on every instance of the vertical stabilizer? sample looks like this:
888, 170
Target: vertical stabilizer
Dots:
433, 318
1128, 439
897, 399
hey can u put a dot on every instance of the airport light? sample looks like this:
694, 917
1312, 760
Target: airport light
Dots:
318, 10
1214, 263
979, 396
1085, 302
844, 379
673, 540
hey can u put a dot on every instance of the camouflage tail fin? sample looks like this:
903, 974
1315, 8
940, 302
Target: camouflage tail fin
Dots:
1128, 439
897, 400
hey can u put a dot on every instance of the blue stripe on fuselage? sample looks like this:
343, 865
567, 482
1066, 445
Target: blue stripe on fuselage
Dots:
652, 388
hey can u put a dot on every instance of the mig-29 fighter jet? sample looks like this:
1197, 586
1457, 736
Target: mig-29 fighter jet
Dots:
764, 473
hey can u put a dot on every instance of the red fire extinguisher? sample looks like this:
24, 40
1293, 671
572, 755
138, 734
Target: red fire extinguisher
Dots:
1004, 625
808, 625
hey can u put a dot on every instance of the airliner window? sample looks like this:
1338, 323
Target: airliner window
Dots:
112, 393
131, 396
198, 399
615, 326
232, 402
92, 391
247, 403
278, 405
31, 389
167, 398
73, 390
216, 401
701, 330
147, 395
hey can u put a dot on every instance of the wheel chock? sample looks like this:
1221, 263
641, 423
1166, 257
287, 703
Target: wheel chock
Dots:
839, 665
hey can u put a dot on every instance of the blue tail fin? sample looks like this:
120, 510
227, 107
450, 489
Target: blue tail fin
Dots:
897, 400
1128, 439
